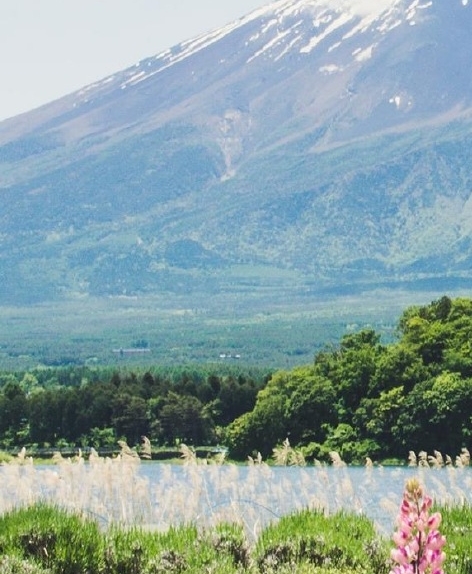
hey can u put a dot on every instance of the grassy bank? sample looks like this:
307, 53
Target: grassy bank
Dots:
41, 539
63, 543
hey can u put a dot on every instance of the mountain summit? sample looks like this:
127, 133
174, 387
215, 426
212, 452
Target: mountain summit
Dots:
311, 142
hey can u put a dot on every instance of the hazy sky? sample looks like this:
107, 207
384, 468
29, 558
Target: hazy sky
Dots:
49, 48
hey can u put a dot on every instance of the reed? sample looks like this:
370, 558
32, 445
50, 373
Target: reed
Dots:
138, 520
121, 491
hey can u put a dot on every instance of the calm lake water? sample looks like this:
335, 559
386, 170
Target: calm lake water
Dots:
268, 493
158, 495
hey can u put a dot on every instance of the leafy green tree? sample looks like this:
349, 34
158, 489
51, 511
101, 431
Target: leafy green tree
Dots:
310, 406
449, 405
295, 404
425, 330
29, 383
436, 415
100, 438
184, 419
45, 416
95, 407
70, 428
344, 440
397, 366
377, 420
235, 397
13, 411
257, 431
353, 370
130, 418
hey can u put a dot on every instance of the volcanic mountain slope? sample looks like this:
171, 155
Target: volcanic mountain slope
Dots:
325, 140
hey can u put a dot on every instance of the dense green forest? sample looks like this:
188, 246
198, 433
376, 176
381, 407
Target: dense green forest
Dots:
362, 398
61, 407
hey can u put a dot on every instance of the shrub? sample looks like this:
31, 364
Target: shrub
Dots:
52, 538
342, 541
15, 565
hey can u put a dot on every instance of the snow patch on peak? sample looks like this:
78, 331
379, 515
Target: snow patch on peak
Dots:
362, 55
413, 8
343, 19
367, 7
330, 69
401, 101
269, 45
355, 7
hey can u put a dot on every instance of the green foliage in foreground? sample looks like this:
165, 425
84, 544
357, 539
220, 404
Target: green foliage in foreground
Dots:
343, 541
46, 540
52, 539
457, 527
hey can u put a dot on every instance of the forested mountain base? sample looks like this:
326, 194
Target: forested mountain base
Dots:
364, 398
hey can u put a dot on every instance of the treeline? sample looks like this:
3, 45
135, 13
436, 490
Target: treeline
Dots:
96, 407
363, 398
369, 399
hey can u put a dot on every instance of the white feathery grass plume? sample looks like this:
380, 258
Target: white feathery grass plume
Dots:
389, 506
115, 491
281, 453
21, 458
57, 458
436, 460
188, 455
297, 458
79, 458
336, 459
423, 459
412, 459
220, 458
465, 456
146, 449
127, 454
255, 461
94, 457
442, 490
439, 458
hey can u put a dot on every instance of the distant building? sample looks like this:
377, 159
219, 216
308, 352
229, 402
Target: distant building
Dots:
132, 351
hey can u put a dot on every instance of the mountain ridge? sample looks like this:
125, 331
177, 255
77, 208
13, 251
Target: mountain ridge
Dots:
305, 136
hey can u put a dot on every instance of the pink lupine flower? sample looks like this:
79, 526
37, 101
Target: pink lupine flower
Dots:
434, 521
418, 541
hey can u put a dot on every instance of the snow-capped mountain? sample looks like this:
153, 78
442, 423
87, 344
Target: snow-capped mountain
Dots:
326, 138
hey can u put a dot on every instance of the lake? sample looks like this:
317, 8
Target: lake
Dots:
157, 495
